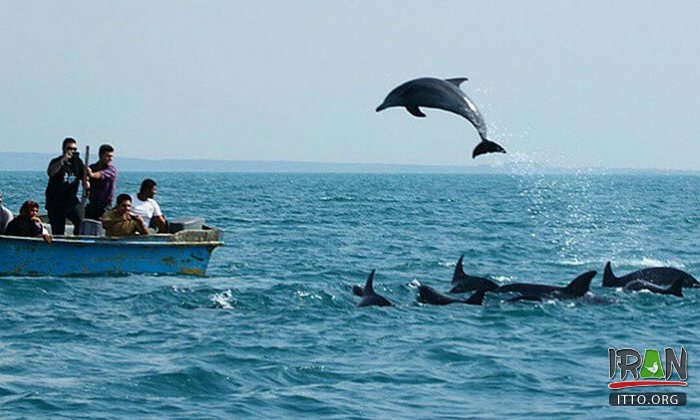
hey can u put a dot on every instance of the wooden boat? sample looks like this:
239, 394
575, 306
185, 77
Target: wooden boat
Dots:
184, 252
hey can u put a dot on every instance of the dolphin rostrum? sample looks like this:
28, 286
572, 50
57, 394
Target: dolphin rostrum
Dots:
528, 291
430, 92
662, 276
462, 282
369, 297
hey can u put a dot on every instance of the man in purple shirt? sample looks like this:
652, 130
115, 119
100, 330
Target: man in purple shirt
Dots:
103, 179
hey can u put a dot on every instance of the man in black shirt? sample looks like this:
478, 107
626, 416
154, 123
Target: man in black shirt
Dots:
65, 173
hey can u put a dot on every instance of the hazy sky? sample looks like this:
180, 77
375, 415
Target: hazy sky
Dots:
585, 83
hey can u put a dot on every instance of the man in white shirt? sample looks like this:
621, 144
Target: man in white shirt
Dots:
5, 216
143, 204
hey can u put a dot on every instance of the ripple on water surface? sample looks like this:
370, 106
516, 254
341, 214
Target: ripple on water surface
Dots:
273, 330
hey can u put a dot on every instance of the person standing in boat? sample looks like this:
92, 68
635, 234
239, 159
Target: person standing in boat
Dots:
103, 177
65, 173
28, 224
5, 216
120, 222
143, 204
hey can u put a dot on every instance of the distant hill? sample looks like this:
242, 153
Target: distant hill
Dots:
17, 161
14, 161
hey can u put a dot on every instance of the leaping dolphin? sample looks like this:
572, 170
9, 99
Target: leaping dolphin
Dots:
461, 282
369, 297
661, 276
430, 92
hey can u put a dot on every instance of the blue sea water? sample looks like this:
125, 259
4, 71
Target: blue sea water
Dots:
273, 331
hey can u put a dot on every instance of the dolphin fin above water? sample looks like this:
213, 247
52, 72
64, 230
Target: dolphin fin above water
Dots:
457, 80
459, 273
575, 289
477, 298
580, 285
369, 297
415, 111
369, 285
660, 276
430, 296
461, 282
609, 279
358, 290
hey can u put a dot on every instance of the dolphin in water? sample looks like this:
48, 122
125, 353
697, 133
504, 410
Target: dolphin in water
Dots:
358, 290
429, 92
427, 294
462, 282
662, 276
529, 291
676, 289
369, 297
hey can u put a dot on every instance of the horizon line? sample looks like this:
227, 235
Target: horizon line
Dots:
502, 167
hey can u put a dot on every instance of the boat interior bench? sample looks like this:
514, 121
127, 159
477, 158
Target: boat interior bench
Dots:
90, 227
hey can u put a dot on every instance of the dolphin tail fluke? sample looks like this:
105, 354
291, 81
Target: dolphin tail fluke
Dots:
459, 271
369, 285
609, 279
580, 285
676, 288
477, 298
487, 146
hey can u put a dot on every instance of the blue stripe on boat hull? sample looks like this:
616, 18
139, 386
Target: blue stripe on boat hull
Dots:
33, 257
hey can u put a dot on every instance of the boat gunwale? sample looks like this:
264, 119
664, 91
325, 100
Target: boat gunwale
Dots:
113, 241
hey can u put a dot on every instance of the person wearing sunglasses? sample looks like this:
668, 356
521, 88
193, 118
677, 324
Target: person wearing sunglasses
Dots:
65, 174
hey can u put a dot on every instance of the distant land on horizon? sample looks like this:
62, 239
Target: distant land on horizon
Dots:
29, 161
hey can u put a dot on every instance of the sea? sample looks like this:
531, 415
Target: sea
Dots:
273, 330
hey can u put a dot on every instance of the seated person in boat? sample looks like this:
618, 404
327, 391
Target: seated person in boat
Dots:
143, 204
28, 224
120, 222
5, 216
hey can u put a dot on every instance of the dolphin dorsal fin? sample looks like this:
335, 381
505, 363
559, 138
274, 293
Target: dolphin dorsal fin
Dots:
369, 285
415, 111
580, 285
477, 298
457, 80
609, 279
459, 271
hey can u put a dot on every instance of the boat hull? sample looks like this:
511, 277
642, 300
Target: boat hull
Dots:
70, 256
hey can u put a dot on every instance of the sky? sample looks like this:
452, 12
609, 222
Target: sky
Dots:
611, 84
